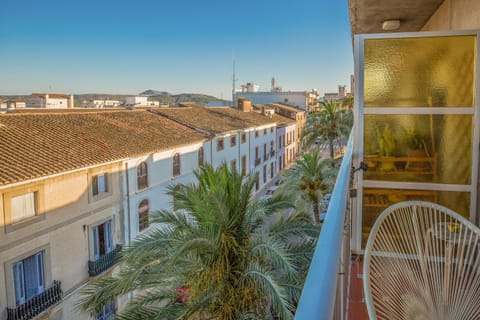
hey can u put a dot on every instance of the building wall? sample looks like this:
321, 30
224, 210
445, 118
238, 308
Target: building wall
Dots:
455, 15
290, 144
262, 139
280, 147
160, 178
297, 99
66, 212
136, 100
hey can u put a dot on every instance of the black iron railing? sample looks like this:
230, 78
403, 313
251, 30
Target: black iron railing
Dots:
104, 262
257, 161
37, 304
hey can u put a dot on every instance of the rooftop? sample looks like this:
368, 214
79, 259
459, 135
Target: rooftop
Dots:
214, 120
40, 144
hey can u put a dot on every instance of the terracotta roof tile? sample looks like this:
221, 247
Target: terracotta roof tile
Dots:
214, 119
39, 144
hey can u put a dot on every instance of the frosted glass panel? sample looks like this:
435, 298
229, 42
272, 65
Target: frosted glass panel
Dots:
377, 200
420, 72
418, 148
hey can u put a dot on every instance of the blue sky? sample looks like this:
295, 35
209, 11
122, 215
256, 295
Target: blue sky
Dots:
108, 46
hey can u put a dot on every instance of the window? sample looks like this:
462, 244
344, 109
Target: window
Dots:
102, 239
271, 130
256, 152
23, 206
279, 142
28, 277
108, 311
233, 165
272, 171
244, 137
256, 133
244, 165
176, 164
100, 184
142, 176
264, 173
200, 156
233, 141
265, 155
265, 131
271, 146
220, 144
143, 215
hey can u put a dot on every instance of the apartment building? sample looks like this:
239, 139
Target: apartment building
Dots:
242, 139
49, 101
300, 117
63, 202
305, 100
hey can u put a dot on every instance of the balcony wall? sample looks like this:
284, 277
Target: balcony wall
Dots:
324, 294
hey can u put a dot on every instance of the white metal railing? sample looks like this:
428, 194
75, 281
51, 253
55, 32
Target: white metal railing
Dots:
320, 295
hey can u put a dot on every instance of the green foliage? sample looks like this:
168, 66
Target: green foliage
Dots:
414, 139
311, 178
329, 124
236, 256
385, 141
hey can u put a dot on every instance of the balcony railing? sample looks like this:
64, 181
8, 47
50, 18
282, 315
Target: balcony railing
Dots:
324, 291
37, 304
257, 161
104, 262
272, 153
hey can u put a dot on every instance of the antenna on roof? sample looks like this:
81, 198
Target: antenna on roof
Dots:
233, 82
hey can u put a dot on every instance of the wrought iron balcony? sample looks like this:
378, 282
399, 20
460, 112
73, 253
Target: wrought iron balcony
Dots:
257, 161
37, 304
272, 153
104, 262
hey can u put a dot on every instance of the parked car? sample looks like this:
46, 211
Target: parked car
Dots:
322, 216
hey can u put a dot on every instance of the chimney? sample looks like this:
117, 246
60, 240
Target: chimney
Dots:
244, 105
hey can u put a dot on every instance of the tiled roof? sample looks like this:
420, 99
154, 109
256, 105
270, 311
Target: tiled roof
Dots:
41, 144
214, 119
278, 118
283, 121
286, 107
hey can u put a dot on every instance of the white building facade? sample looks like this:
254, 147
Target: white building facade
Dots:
49, 101
305, 100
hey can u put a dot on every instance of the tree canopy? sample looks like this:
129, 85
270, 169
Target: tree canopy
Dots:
219, 255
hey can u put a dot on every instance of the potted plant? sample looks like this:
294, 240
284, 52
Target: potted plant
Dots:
385, 146
416, 148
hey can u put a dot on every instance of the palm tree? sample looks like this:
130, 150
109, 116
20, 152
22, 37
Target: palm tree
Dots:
347, 102
220, 255
315, 177
329, 124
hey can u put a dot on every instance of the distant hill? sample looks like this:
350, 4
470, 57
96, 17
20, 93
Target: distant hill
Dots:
154, 95
151, 92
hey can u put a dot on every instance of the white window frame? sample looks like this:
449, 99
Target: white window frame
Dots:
360, 111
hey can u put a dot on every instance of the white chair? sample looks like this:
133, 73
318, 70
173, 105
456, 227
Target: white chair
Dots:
422, 261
